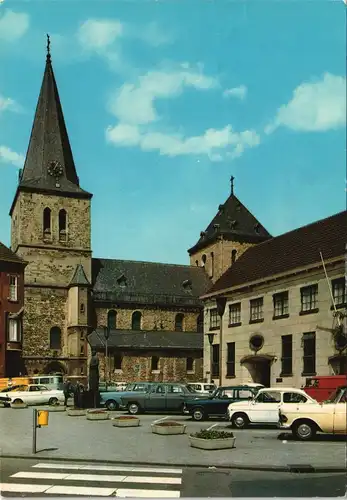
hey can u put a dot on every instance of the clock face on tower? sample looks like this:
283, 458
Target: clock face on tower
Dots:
55, 169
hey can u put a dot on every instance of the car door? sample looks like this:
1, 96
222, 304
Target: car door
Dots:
156, 399
264, 408
340, 418
221, 401
175, 397
44, 394
32, 395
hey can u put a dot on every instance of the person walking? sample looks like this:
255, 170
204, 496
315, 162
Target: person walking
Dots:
67, 388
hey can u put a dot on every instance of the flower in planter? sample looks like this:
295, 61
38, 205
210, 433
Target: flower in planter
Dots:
212, 434
125, 417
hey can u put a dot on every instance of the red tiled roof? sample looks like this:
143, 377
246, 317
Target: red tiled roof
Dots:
295, 249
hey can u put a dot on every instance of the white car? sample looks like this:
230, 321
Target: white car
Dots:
264, 407
35, 395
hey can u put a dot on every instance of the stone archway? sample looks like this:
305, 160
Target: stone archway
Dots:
54, 367
259, 367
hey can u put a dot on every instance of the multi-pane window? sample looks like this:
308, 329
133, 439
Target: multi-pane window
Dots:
14, 330
214, 319
339, 291
231, 359
112, 320
215, 360
179, 322
309, 351
280, 304
235, 314
287, 355
190, 364
13, 295
55, 338
256, 307
309, 298
136, 320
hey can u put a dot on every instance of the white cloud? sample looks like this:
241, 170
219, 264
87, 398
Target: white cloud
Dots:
8, 104
153, 35
9, 156
238, 92
98, 34
315, 106
13, 25
135, 103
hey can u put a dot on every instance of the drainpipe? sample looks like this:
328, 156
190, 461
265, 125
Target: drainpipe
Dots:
221, 302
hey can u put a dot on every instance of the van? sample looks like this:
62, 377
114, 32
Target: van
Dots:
202, 387
320, 387
49, 381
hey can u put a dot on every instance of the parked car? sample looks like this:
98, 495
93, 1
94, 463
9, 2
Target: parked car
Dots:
33, 395
306, 420
263, 409
159, 397
14, 388
111, 398
202, 387
217, 404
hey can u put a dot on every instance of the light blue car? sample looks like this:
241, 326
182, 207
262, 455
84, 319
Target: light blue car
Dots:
111, 399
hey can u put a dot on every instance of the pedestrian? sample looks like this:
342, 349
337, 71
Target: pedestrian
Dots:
67, 389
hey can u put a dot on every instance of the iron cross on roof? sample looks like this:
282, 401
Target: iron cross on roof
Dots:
232, 184
48, 47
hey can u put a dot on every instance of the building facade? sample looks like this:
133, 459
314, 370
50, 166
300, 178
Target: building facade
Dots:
151, 312
11, 312
285, 304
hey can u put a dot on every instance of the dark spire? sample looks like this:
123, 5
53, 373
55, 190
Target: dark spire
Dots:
49, 164
79, 278
232, 184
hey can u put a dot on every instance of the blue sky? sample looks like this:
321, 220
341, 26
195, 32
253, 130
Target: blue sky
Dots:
164, 100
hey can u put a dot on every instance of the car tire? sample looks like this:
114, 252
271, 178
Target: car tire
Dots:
198, 414
304, 430
133, 408
53, 401
112, 405
240, 420
17, 401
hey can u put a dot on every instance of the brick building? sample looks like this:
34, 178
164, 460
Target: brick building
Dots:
284, 317
11, 312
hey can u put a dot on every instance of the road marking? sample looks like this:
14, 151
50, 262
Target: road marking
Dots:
95, 477
152, 479
107, 468
23, 488
80, 490
124, 493
40, 475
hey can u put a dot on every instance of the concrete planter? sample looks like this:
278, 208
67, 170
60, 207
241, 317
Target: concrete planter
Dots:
97, 415
168, 428
212, 444
57, 408
19, 405
126, 421
76, 412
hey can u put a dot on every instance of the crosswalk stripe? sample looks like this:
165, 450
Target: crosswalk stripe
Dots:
23, 488
80, 490
98, 477
107, 468
124, 493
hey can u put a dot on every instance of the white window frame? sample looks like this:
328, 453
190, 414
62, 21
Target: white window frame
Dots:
14, 333
13, 288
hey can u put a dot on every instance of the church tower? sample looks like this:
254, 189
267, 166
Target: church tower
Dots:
51, 231
232, 230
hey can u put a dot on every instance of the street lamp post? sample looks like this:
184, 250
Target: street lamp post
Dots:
210, 339
221, 303
106, 335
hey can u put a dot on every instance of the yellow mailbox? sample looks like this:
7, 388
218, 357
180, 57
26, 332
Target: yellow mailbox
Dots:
42, 417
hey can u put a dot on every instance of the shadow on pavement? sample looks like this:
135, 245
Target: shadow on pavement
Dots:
327, 438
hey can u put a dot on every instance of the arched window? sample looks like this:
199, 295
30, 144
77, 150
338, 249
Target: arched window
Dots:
112, 320
62, 224
179, 322
233, 256
55, 338
47, 221
136, 320
203, 260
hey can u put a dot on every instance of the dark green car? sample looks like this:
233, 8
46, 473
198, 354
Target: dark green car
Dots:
217, 404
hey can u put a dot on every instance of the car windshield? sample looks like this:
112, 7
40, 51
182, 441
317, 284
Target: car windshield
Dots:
14, 388
337, 395
191, 389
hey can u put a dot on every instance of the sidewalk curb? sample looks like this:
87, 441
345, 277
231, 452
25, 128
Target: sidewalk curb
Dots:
298, 468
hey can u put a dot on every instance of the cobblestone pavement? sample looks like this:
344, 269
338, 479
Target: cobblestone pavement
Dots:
81, 439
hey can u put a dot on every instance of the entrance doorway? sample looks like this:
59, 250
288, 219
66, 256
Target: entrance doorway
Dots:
259, 367
53, 368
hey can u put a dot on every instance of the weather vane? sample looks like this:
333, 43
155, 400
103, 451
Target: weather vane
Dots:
48, 47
